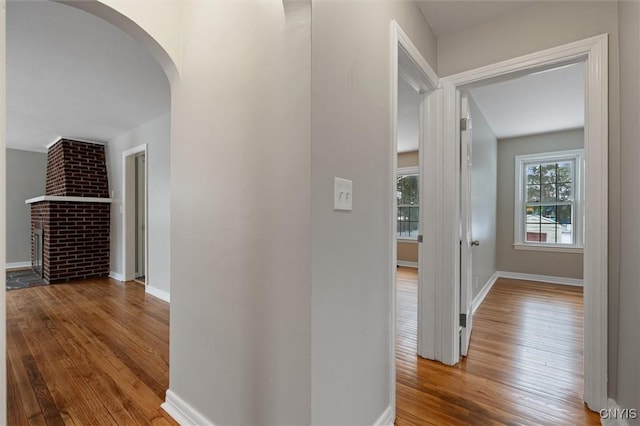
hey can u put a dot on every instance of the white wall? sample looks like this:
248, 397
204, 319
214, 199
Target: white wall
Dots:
628, 374
555, 264
240, 214
26, 174
484, 170
351, 251
540, 26
156, 134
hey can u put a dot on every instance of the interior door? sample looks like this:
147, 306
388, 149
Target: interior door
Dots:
466, 236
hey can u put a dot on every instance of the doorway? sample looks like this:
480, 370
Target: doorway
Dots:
591, 53
141, 217
414, 108
135, 215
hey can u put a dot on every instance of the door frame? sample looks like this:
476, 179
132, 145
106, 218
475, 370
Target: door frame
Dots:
593, 53
128, 213
407, 61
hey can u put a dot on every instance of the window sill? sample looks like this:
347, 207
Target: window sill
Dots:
407, 240
557, 249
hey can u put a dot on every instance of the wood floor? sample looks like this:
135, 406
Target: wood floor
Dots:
90, 353
524, 364
97, 353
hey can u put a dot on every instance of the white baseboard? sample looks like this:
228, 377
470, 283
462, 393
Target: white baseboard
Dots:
182, 412
542, 278
18, 265
477, 301
386, 419
613, 415
160, 294
407, 264
116, 276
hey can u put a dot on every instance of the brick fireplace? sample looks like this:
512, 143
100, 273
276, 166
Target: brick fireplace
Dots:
70, 224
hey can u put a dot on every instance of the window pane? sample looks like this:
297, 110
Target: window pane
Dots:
564, 215
408, 190
413, 214
404, 229
548, 173
413, 229
548, 223
548, 193
549, 214
533, 213
565, 171
403, 215
565, 191
533, 174
533, 234
533, 193
565, 227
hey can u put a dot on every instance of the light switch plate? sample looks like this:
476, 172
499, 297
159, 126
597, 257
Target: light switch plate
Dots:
342, 194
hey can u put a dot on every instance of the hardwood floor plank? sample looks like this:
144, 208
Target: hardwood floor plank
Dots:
524, 364
95, 352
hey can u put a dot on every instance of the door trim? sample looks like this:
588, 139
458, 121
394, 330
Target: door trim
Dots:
593, 53
407, 61
128, 210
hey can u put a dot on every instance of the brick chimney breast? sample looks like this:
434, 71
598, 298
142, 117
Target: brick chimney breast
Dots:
77, 169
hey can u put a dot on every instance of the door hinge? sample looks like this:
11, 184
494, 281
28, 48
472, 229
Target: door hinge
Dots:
463, 123
463, 320
420, 238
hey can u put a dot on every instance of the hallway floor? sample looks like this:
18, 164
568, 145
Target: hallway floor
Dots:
524, 364
94, 352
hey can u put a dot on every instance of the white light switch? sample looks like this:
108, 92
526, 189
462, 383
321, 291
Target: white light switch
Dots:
342, 194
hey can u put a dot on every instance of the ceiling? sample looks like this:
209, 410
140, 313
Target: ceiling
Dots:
74, 75
408, 117
450, 16
543, 102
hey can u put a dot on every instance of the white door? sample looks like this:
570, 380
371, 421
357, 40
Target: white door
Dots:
466, 236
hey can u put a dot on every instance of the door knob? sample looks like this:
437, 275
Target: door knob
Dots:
475, 243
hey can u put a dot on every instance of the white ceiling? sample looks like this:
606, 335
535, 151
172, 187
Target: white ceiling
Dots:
408, 117
74, 75
537, 103
544, 102
450, 16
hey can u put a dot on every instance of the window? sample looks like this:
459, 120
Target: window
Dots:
548, 210
408, 196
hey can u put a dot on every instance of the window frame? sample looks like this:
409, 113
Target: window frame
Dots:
408, 171
521, 162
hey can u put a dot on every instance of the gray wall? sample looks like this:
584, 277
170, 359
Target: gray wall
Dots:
26, 174
351, 252
483, 198
540, 26
628, 374
240, 214
568, 265
156, 134
3, 208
